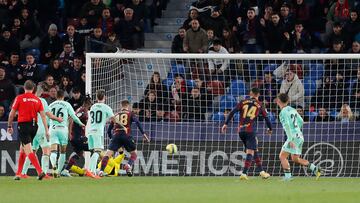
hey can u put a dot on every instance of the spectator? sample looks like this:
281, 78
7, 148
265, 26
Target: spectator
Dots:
338, 34
84, 29
140, 10
148, 106
323, 116
46, 85
291, 85
3, 114
195, 40
7, 90
339, 11
74, 39
8, 43
13, 68
56, 71
210, 36
129, 30
16, 28
352, 26
341, 87
194, 107
106, 22
300, 110
113, 42
30, 70
76, 99
355, 48
30, 30
337, 47
97, 37
355, 92
251, 32
229, 41
52, 95
66, 57
161, 90
302, 11
274, 35
204, 91
177, 43
82, 83
178, 92
217, 67
345, 114
269, 90
50, 45
299, 41
324, 94
136, 109
92, 11
286, 18
240, 10
66, 86
193, 15
161, 114
216, 22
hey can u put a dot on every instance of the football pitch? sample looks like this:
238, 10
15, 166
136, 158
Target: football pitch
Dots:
179, 189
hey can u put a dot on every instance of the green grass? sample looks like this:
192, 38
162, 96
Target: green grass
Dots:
179, 189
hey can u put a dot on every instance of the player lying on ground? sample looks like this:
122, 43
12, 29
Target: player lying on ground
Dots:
122, 137
40, 139
292, 124
249, 111
28, 106
99, 114
113, 166
78, 141
59, 131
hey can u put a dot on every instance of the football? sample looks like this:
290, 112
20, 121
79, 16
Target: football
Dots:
171, 148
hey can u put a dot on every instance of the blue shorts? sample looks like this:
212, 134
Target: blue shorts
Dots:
249, 139
122, 140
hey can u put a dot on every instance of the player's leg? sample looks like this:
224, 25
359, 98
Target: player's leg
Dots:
104, 161
285, 164
94, 159
45, 158
35, 147
30, 154
62, 158
310, 166
130, 146
54, 141
250, 146
258, 163
97, 146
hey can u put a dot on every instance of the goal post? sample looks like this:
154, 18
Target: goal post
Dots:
190, 96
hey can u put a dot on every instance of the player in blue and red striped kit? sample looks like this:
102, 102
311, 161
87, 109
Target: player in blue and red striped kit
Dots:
249, 111
121, 137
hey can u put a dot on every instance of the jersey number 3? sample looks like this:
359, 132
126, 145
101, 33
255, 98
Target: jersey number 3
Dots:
96, 117
249, 113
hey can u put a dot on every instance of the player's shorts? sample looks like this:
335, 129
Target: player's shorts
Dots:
95, 141
298, 141
122, 140
59, 135
40, 139
27, 132
79, 145
249, 139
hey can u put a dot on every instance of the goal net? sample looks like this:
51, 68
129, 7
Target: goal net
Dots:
185, 98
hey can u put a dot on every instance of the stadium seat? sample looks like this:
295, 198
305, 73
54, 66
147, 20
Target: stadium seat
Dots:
218, 117
309, 87
312, 115
42, 70
168, 82
190, 83
253, 71
270, 67
237, 88
178, 69
316, 71
333, 113
227, 102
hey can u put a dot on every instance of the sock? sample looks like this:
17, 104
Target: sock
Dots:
287, 173
87, 156
53, 157
45, 163
77, 169
132, 159
247, 163
93, 162
104, 162
72, 160
61, 161
312, 167
26, 166
258, 162
21, 161
35, 162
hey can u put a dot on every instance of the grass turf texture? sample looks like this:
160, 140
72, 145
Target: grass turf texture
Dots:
179, 189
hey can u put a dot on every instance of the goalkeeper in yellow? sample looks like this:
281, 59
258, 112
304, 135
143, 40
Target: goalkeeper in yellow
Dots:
113, 166
292, 124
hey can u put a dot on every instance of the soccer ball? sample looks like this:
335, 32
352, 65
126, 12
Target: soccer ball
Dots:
171, 148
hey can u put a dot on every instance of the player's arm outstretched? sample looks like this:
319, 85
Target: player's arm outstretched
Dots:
267, 120
137, 122
229, 117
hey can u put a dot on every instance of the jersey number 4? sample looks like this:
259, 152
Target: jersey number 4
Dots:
249, 113
96, 117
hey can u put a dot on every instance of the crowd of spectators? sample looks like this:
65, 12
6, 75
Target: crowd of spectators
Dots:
45, 41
